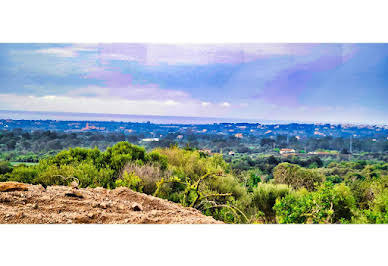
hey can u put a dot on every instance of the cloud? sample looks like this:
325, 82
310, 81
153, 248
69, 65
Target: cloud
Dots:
109, 105
67, 51
179, 54
197, 54
239, 80
130, 93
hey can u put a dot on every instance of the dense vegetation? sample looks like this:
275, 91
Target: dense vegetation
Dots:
271, 190
29, 146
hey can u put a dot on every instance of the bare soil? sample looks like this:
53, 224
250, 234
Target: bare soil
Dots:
66, 205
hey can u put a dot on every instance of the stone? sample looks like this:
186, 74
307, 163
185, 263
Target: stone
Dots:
105, 205
74, 194
136, 207
41, 188
12, 186
74, 184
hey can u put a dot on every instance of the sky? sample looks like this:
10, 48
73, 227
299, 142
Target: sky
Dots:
336, 83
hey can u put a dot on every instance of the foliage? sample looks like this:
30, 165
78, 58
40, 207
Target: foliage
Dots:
264, 197
190, 164
296, 176
378, 212
260, 189
150, 174
23, 174
130, 180
203, 183
91, 167
5, 167
329, 204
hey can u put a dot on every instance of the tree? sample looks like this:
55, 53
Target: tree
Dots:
329, 204
264, 197
5, 167
296, 176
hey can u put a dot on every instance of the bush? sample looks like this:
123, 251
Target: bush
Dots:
157, 158
378, 212
121, 153
130, 180
92, 167
264, 197
296, 176
23, 174
5, 167
329, 204
190, 164
55, 175
251, 178
149, 173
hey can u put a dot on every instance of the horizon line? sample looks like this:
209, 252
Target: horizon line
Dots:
247, 120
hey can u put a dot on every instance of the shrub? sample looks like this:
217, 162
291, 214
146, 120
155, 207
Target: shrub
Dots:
130, 180
5, 167
93, 167
329, 204
23, 174
296, 176
189, 164
121, 153
251, 178
378, 212
264, 198
149, 173
55, 175
104, 178
157, 158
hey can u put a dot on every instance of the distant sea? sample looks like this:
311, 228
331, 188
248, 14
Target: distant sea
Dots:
67, 116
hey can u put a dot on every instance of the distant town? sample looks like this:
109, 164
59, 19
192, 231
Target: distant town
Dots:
231, 139
154, 131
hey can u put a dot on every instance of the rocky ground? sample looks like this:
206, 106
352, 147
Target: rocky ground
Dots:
33, 204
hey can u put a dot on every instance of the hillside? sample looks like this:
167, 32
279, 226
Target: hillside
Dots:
66, 205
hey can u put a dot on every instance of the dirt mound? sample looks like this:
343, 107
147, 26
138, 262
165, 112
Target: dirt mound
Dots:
60, 204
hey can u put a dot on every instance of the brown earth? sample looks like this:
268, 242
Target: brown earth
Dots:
66, 205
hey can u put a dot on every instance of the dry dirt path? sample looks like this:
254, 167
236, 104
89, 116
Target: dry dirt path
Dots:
65, 205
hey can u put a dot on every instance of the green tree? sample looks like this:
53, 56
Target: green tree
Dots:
296, 176
329, 204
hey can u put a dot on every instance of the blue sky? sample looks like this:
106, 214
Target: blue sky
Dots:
298, 82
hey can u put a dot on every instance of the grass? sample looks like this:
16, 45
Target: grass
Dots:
19, 163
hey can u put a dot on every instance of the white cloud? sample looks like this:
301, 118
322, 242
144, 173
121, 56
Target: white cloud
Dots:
49, 97
199, 54
186, 107
109, 105
171, 102
68, 51
132, 92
